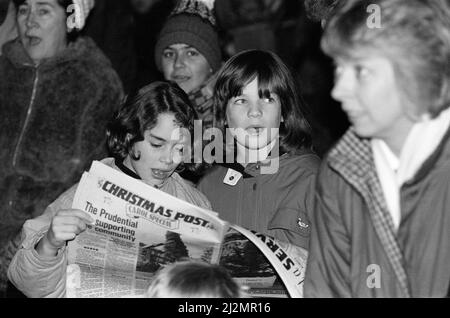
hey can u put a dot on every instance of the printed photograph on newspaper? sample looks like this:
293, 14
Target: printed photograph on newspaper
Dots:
248, 265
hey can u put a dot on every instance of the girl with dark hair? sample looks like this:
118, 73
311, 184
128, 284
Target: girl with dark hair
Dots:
147, 144
267, 182
381, 226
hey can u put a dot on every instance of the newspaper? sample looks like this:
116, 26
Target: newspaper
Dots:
139, 229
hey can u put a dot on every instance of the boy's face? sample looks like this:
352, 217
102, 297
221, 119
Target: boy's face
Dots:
371, 97
254, 120
186, 66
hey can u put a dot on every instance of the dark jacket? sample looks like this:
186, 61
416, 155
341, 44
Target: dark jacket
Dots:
355, 252
278, 204
52, 125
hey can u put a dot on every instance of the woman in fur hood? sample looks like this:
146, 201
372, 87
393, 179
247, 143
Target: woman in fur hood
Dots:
57, 92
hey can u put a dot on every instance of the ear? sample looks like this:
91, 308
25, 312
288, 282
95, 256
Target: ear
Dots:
128, 137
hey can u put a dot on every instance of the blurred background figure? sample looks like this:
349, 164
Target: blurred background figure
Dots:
57, 92
314, 72
320, 10
191, 279
111, 26
8, 30
149, 17
251, 24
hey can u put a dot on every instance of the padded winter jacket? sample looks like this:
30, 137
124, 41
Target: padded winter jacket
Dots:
354, 252
277, 204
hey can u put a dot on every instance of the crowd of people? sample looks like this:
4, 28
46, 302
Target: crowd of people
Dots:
375, 202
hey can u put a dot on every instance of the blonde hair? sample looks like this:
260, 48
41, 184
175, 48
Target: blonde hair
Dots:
193, 279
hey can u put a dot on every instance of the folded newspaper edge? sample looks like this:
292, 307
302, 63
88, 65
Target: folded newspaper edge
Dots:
287, 265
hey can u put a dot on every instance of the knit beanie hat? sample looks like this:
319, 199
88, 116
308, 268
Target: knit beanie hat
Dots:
191, 23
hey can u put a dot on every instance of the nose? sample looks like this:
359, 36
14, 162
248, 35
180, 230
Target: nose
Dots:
179, 60
166, 156
344, 85
30, 22
254, 110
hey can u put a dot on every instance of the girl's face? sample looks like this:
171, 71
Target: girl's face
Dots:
160, 152
370, 96
254, 120
42, 28
186, 66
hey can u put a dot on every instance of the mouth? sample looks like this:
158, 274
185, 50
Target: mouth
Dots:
180, 78
255, 130
33, 40
161, 174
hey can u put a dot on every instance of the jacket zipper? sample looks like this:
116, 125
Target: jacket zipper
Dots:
27, 119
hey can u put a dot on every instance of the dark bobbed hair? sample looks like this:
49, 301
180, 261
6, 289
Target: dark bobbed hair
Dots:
193, 279
140, 113
414, 36
73, 34
273, 77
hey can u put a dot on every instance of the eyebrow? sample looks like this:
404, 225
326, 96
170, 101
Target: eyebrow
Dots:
39, 4
158, 138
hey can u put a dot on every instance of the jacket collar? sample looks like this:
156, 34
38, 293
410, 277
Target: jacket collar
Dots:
352, 157
120, 165
254, 169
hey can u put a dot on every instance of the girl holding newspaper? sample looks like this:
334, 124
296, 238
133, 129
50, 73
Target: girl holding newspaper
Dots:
266, 180
143, 144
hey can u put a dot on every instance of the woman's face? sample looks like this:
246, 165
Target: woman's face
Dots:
42, 28
372, 99
186, 66
160, 152
254, 121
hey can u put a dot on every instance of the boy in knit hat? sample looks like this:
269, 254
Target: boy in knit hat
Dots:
188, 53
